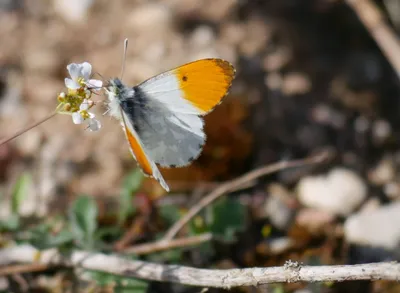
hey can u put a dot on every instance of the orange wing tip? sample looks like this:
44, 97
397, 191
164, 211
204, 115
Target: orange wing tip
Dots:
227, 68
204, 83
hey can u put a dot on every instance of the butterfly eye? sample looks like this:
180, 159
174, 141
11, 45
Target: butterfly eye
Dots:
112, 89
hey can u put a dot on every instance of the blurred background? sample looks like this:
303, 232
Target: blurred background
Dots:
310, 78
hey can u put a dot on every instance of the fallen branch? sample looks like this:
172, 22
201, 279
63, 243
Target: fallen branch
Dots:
290, 272
236, 184
140, 249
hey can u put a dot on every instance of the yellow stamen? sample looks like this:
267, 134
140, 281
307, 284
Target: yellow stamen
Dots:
81, 81
67, 107
61, 97
84, 114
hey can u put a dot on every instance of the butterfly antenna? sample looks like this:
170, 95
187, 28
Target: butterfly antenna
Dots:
124, 58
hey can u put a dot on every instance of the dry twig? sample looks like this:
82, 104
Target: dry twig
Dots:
147, 248
23, 268
383, 34
236, 184
290, 272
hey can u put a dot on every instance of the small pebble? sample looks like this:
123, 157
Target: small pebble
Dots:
383, 173
150, 17
339, 192
381, 130
74, 11
295, 83
392, 190
378, 228
314, 220
278, 212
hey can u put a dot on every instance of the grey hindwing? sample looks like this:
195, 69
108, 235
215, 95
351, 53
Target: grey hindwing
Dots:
169, 139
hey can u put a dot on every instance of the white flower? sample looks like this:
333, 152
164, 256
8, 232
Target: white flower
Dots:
80, 77
83, 114
94, 124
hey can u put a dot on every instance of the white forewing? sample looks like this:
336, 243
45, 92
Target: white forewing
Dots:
165, 88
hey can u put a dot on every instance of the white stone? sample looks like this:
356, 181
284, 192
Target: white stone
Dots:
278, 212
378, 228
150, 17
73, 10
384, 172
339, 192
202, 37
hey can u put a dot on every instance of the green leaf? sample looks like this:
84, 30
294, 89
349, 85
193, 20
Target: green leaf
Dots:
42, 235
11, 224
170, 213
36, 235
83, 220
126, 207
131, 184
121, 284
62, 238
277, 288
226, 217
113, 232
199, 226
20, 191
133, 181
170, 256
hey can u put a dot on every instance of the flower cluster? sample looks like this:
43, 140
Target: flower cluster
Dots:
77, 100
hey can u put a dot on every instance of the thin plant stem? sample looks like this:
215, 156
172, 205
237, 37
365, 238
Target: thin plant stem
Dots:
384, 35
147, 248
22, 131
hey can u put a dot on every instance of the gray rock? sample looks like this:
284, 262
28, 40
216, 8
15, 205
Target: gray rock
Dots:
378, 228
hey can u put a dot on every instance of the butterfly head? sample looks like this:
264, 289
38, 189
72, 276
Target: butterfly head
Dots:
117, 92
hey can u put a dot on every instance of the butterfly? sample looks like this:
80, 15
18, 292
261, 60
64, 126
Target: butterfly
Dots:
162, 116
